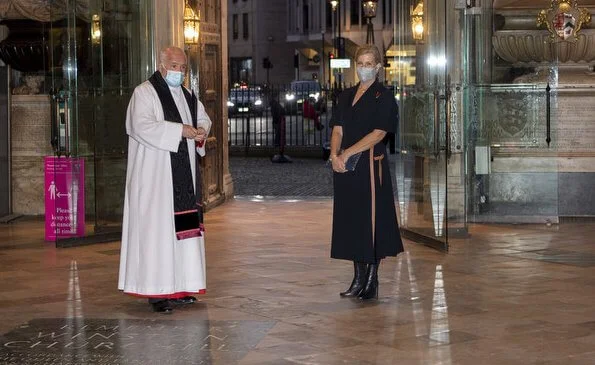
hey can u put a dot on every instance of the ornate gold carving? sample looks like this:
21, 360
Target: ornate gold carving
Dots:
564, 19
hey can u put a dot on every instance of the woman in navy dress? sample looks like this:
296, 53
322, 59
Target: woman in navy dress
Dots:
365, 228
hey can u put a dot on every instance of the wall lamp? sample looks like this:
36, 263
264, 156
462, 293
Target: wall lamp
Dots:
191, 25
417, 21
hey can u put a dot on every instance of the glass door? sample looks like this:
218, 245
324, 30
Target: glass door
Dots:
423, 74
100, 52
119, 59
511, 123
479, 133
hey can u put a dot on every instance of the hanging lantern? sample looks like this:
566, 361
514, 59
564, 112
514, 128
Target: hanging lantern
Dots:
417, 21
191, 26
370, 7
96, 29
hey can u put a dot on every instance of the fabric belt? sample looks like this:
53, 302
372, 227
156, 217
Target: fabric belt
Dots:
379, 159
373, 188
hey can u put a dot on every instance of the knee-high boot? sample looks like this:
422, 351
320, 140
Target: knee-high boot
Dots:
359, 280
371, 288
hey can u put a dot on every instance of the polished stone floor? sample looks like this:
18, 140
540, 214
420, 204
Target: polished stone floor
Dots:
506, 295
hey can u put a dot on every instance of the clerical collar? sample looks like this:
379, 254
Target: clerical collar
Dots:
176, 90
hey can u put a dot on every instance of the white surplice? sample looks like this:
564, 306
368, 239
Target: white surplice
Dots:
152, 261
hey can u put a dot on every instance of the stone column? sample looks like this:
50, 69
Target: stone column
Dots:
227, 180
168, 18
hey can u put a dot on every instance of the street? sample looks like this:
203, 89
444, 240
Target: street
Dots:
254, 130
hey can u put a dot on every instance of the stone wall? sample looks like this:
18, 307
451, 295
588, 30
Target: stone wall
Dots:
30, 142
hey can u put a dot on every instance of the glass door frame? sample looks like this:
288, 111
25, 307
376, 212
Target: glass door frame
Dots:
105, 53
426, 123
464, 116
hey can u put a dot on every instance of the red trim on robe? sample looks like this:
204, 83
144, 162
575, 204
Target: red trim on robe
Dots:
182, 235
177, 295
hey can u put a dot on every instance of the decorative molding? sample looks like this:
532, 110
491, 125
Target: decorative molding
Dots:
534, 47
539, 152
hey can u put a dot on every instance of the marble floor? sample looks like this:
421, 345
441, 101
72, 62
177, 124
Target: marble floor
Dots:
520, 294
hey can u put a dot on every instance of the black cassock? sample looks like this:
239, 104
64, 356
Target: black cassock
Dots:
365, 225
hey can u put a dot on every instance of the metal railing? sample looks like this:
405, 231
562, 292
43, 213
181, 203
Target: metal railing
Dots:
253, 117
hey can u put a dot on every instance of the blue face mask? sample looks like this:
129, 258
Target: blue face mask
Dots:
174, 78
366, 73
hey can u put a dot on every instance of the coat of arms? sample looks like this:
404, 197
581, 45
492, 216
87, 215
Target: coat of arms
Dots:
564, 19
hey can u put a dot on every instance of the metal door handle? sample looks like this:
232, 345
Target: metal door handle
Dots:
436, 118
548, 137
448, 116
61, 128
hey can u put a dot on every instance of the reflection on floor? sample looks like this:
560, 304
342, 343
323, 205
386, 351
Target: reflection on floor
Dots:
505, 295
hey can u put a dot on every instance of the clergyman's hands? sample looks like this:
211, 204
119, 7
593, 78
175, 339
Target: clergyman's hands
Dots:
201, 135
189, 131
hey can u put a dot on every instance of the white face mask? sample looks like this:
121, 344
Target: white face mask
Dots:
366, 74
174, 78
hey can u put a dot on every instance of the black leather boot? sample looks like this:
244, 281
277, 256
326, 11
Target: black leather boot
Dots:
370, 290
359, 280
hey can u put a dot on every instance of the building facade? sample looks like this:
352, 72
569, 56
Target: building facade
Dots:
258, 51
321, 31
70, 69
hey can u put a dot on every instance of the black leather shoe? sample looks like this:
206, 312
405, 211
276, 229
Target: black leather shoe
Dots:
162, 306
185, 300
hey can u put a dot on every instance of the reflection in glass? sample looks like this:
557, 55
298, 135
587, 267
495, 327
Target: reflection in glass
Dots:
75, 319
438, 194
439, 326
416, 301
403, 190
75, 304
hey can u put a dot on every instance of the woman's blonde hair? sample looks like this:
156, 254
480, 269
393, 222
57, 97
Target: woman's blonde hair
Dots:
369, 49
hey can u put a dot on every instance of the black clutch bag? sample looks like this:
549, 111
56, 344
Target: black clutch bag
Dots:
351, 162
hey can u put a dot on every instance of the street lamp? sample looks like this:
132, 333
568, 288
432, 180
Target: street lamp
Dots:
370, 8
335, 24
337, 40
334, 4
191, 25
417, 21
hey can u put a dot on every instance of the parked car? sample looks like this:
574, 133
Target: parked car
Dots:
246, 100
300, 91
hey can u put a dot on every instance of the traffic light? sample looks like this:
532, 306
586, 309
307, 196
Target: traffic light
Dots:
331, 55
266, 63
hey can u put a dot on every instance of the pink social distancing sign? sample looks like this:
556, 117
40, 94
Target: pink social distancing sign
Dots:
64, 197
